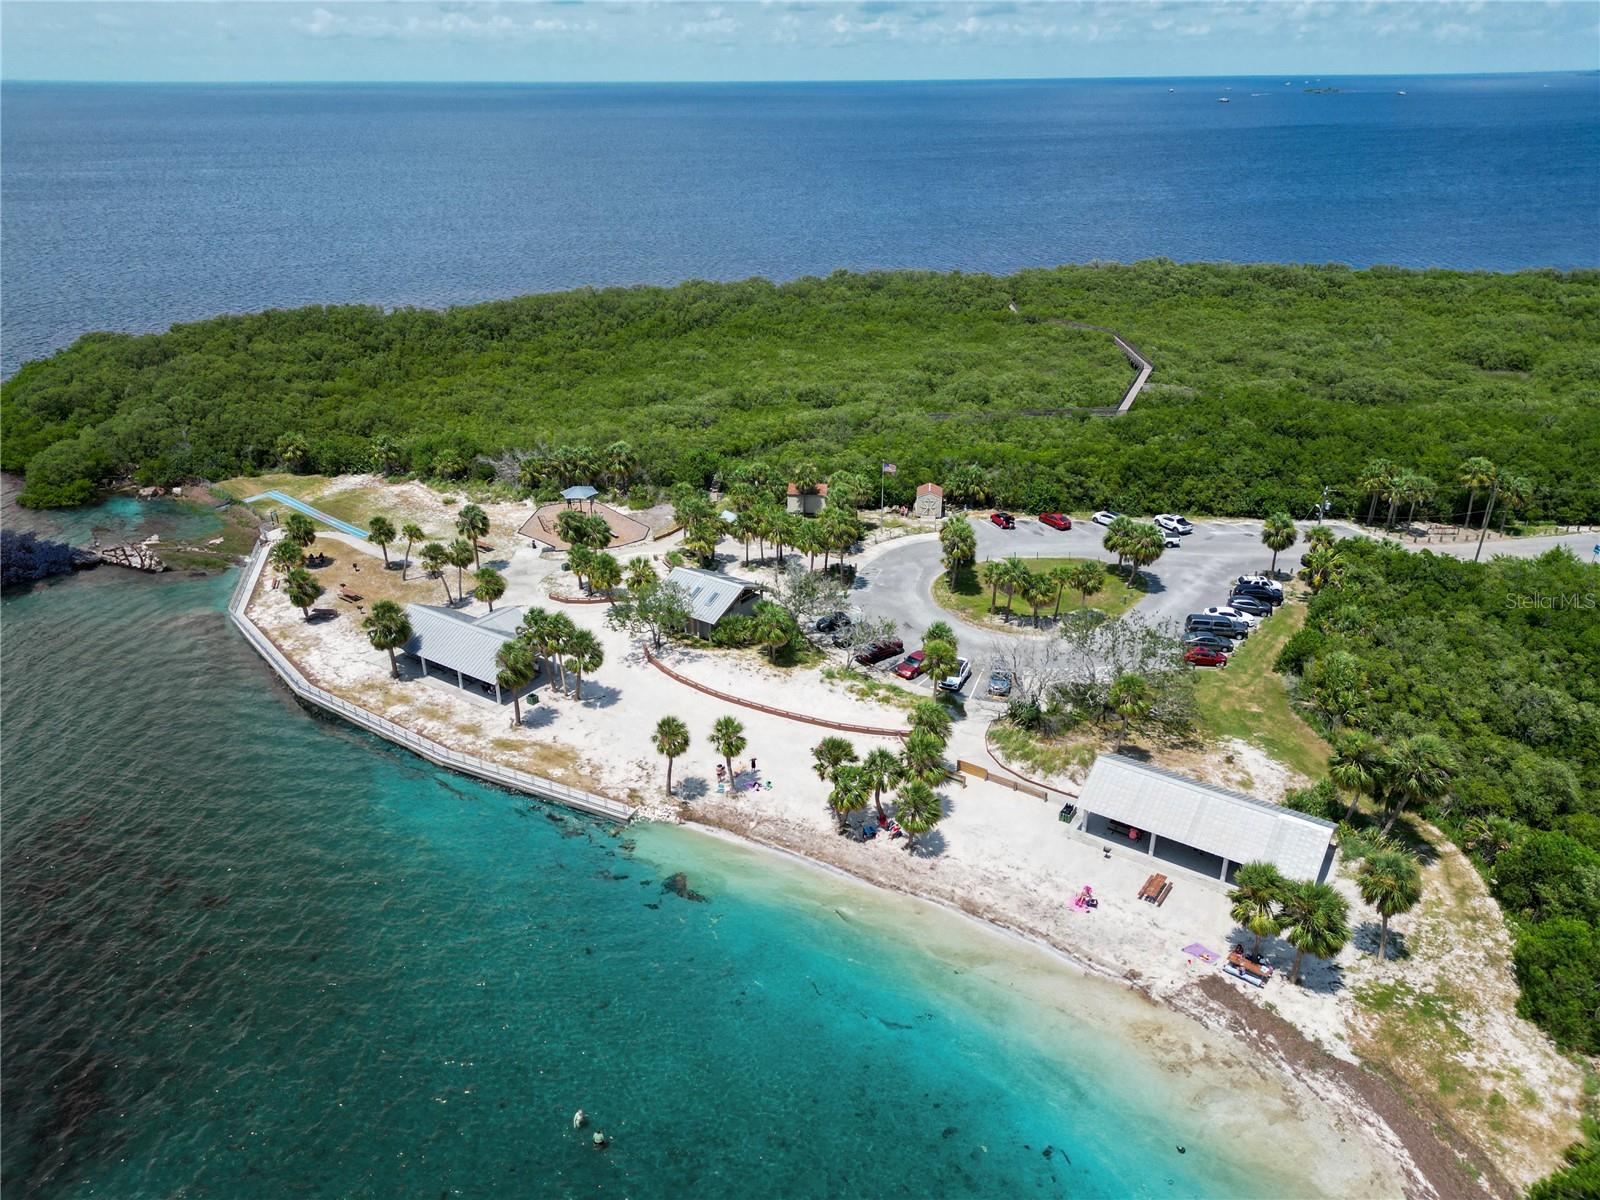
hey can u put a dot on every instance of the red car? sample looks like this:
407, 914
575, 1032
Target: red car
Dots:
1205, 656
910, 666
1056, 520
879, 651
1004, 520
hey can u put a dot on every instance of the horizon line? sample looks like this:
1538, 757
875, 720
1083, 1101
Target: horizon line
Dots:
1423, 74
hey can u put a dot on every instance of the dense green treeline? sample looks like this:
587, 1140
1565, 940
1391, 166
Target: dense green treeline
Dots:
1501, 661
1270, 383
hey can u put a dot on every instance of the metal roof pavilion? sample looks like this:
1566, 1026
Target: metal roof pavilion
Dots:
1227, 824
455, 641
711, 594
580, 492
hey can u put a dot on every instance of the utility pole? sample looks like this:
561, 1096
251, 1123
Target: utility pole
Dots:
1487, 513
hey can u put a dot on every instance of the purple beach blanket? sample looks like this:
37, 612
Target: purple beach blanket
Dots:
1200, 952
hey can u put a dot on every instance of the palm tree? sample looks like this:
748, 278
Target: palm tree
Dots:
939, 658
434, 559
995, 573
923, 755
1117, 535
933, 717
515, 667
830, 754
1060, 577
1087, 578
584, 655
671, 739
1258, 889
849, 793
772, 626
1316, 920
605, 573
1391, 882
1130, 697
1144, 544
380, 532
1015, 576
1394, 491
1515, 492
560, 630
1357, 766
536, 630
621, 462
727, 739
1419, 491
1475, 473
640, 573
412, 532
388, 628
490, 585
1037, 588
1279, 533
746, 524
1323, 566
939, 631
958, 545
460, 553
287, 554
1320, 537
1374, 481
917, 808
297, 527
302, 590
1420, 770
882, 770
701, 538
472, 523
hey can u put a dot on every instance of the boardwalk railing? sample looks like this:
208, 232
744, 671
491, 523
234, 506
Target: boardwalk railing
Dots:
467, 764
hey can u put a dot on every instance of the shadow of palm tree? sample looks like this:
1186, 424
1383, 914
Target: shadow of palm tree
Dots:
1365, 937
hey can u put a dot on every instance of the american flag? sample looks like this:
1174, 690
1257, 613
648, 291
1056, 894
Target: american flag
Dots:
890, 469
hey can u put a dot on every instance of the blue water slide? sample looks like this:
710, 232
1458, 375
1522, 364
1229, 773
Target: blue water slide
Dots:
301, 506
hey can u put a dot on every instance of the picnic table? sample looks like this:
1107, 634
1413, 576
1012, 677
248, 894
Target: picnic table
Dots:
1250, 969
1155, 890
346, 594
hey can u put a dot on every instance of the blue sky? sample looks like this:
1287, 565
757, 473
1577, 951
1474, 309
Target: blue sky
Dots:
567, 41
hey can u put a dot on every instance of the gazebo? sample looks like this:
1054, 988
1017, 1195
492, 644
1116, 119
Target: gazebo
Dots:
579, 493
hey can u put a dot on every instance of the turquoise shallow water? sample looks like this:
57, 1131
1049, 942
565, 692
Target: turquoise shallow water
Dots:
252, 952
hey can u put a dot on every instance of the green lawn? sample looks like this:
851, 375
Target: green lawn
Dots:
1248, 700
968, 598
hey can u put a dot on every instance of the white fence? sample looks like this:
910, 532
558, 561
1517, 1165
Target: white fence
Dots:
467, 764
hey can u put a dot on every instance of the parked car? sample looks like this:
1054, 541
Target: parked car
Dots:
834, 623
999, 683
1252, 606
1171, 542
1205, 656
1260, 591
1173, 523
1222, 626
911, 665
963, 672
1056, 520
878, 651
1261, 581
1229, 610
1105, 517
1209, 641
1003, 519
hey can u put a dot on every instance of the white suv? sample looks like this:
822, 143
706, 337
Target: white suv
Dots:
1238, 614
1173, 523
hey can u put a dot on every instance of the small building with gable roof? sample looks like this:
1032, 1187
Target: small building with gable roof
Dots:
929, 503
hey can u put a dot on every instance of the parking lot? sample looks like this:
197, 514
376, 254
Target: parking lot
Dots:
898, 582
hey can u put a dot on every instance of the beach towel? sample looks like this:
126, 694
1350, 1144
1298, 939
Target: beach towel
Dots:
1200, 952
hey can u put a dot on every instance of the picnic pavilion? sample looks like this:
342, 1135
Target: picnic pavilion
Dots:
1197, 827
461, 647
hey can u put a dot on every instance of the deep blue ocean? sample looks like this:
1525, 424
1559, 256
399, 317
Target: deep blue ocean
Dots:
130, 208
